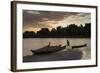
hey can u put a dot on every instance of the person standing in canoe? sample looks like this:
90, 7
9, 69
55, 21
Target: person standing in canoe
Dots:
49, 44
68, 45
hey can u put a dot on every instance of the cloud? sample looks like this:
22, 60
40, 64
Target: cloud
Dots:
33, 12
80, 18
31, 17
40, 19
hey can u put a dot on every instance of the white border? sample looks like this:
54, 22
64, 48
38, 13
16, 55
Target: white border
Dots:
21, 65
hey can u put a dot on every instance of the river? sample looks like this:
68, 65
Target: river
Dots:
36, 43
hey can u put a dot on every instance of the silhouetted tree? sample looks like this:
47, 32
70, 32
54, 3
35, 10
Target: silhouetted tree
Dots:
53, 32
87, 30
28, 34
71, 30
43, 32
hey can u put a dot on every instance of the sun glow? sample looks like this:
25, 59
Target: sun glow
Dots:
32, 29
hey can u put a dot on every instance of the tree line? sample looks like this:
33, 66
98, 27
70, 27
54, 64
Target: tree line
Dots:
71, 31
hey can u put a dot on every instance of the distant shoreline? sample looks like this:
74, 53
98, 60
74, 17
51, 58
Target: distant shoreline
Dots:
71, 31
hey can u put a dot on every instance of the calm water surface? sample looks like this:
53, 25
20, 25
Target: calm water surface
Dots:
36, 43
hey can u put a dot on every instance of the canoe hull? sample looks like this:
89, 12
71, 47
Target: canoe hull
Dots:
52, 49
79, 46
47, 50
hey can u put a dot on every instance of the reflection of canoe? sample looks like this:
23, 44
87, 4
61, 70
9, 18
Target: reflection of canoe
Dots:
52, 49
48, 49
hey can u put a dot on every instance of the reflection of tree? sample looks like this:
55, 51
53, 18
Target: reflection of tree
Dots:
71, 31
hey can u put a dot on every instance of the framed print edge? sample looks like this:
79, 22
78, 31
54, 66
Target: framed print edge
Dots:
14, 36
96, 35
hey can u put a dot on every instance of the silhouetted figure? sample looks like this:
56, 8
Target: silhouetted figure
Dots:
68, 43
68, 47
49, 44
60, 45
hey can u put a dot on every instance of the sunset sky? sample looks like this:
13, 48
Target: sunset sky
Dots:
34, 20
